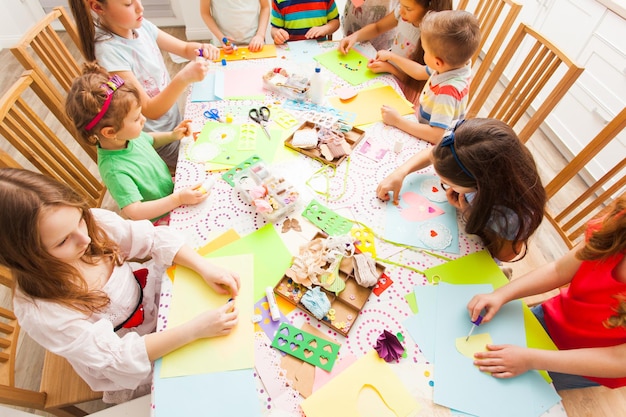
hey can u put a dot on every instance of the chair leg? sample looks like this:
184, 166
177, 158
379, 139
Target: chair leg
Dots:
68, 411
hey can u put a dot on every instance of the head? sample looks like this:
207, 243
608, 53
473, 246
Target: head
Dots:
47, 229
451, 37
413, 11
486, 156
103, 107
120, 17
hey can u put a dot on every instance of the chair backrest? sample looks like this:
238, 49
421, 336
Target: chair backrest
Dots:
27, 132
6, 161
490, 14
569, 218
536, 70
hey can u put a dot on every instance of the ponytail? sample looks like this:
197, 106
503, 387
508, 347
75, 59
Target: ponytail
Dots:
86, 27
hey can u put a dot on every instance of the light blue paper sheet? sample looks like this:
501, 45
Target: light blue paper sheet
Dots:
303, 51
209, 89
420, 233
459, 384
224, 394
422, 325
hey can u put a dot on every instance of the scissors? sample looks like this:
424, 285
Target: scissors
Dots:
261, 116
213, 114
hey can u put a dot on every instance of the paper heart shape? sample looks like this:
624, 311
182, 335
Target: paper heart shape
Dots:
346, 93
433, 233
419, 208
307, 353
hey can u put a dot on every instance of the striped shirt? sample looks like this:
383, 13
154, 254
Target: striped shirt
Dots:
444, 97
298, 16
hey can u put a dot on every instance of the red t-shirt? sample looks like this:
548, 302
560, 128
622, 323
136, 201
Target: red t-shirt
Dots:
575, 317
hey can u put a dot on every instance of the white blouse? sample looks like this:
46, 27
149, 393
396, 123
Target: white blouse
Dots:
108, 360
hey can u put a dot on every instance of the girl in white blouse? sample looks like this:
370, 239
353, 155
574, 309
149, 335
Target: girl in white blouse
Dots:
77, 292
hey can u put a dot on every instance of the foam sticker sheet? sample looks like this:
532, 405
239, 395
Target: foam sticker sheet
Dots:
305, 346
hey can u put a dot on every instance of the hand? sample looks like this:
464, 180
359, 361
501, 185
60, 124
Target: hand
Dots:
221, 280
393, 184
194, 71
503, 361
210, 52
218, 322
347, 43
390, 115
182, 130
384, 55
457, 200
280, 36
228, 47
192, 195
256, 43
490, 303
316, 32
379, 66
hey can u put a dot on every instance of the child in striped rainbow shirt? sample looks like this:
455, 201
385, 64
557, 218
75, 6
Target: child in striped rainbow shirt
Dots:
296, 20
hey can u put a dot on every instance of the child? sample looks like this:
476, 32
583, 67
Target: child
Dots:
107, 113
449, 39
405, 21
490, 177
78, 295
252, 17
371, 11
126, 44
296, 20
586, 321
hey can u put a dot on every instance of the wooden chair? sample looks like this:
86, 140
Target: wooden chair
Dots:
569, 220
6, 161
489, 13
536, 69
61, 388
27, 132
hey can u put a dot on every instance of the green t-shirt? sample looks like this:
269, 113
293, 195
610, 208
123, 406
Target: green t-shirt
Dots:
136, 173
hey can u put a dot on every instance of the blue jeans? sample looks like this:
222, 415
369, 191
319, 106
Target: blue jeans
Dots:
562, 381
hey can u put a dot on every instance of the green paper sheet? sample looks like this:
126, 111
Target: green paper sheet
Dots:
352, 66
192, 296
271, 257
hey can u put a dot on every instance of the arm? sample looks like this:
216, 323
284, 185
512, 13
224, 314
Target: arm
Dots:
324, 30
408, 66
258, 40
205, 12
163, 138
431, 134
368, 32
146, 210
543, 279
393, 182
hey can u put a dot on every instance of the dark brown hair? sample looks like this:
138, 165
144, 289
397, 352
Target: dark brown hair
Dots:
504, 174
25, 195
86, 26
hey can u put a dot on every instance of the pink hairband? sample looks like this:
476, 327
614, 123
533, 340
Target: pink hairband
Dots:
111, 85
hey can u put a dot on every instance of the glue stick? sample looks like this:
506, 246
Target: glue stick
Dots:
271, 300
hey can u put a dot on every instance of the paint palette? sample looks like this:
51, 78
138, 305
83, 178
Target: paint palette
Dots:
344, 306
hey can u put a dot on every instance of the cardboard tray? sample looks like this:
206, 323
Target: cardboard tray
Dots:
347, 305
353, 138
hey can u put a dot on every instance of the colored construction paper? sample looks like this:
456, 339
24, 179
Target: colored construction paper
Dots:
368, 102
191, 296
303, 51
211, 88
244, 83
352, 66
468, 346
459, 384
268, 51
271, 257
223, 239
225, 394
422, 325
343, 395
419, 221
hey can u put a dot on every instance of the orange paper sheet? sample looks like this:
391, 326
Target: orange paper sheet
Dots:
368, 102
192, 296
268, 51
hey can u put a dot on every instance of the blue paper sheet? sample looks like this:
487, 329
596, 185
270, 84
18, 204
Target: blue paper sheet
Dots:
459, 384
440, 232
209, 89
422, 325
224, 394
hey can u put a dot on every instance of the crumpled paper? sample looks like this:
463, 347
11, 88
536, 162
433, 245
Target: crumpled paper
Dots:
389, 347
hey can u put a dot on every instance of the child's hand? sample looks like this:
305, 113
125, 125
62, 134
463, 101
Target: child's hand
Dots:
504, 361
384, 55
280, 36
393, 184
379, 66
256, 43
316, 32
218, 322
209, 52
490, 303
390, 115
457, 200
228, 46
192, 195
194, 71
182, 130
221, 280
347, 43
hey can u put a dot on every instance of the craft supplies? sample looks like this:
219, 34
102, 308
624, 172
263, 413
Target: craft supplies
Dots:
306, 346
206, 186
271, 301
261, 117
316, 302
292, 86
475, 324
319, 83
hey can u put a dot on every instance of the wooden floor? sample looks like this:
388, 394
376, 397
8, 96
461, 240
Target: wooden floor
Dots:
544, 247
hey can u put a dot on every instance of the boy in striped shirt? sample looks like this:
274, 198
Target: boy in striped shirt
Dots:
296, 20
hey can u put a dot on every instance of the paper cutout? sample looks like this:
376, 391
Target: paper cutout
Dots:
342, 395
439, 233
322, 377
364, 240
244, 83
373, 150
417, 208
368, 102
389, 347
191, 296
432, 190
475, 343
305, 346
352, 66
268, 51
211, 88
383, 283
326, 219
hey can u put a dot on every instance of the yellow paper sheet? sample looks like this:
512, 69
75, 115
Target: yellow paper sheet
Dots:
268, 51
368, 102
191, 296
475, 343
368, 384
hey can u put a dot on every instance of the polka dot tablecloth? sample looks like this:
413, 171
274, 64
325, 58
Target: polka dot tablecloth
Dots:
350, 191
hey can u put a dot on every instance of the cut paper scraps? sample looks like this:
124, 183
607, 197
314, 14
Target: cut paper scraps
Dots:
211, 88
421, 221
368, 102
268, 51
192, 296
352, 66
351, 391
475, 343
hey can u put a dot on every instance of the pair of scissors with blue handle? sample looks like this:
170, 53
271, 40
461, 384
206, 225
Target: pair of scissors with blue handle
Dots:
261, 116
213, 114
